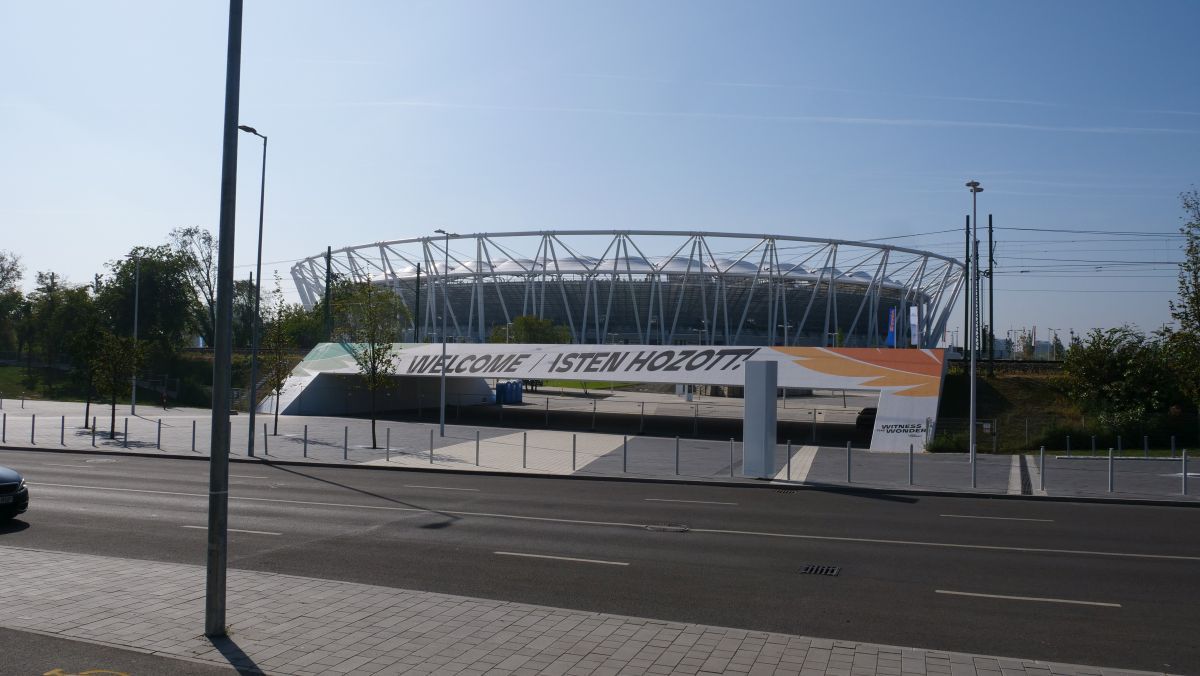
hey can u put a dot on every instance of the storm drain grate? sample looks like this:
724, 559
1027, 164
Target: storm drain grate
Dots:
786, 491
814, 569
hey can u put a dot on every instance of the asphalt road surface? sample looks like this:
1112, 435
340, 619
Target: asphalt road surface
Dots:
31, 654
1111, 585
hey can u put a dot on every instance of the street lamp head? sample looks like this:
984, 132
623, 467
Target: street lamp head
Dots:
441, 232
974, 186
247, 128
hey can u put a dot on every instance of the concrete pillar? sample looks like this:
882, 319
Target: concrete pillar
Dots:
758, 431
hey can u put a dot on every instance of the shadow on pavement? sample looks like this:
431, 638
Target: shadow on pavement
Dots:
12, 526
237, 658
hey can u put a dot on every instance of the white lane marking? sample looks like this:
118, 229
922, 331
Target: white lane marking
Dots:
1035, 476
642, 526
443, 488
1040, 599
51, 464
993, 518
691, 502
563, 558
237, 530
245, 476
1014, 476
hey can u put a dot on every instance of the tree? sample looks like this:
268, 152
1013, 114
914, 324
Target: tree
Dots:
1120, 376
114, 363
530, 329
370, 319
1183, 344
166, 312
11, 298
274, 355
198, 248
1025, 346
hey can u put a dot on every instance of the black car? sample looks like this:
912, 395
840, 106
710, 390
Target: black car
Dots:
14, 496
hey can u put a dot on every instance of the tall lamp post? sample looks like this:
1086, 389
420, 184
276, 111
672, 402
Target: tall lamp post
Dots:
262, 194
973, 298
445, 290
137, 289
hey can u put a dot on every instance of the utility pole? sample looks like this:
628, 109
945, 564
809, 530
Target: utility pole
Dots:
991, 337
137, 287
417, 316
328, 293
974, 312
218, 477
967, 273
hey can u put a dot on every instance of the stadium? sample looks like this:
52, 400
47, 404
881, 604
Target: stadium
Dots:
654, 287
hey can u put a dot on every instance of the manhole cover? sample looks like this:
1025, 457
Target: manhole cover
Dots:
815, 569
668, 528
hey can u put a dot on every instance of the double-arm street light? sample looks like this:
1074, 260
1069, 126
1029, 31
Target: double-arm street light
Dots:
262, 194
445, 290
973, 300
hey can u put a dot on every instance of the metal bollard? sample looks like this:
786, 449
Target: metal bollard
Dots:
1068, 445
573, 440
642, 419
676, 456
476, 448
1172, 445
4, 429
125, 442
910, 464
1120, 449
789, 449
346, 442
1110, 469
193, 436
32, 427
62, 432
158, 435
266, 451
93, 432
1093, 444
695, 419
431, 445
387, 445
1042, 469
974, 474
1145, 446
625, 455
731, 457
306, 441
525, 448
547, 411
814, 425
1185, 474
848, 475
593, 414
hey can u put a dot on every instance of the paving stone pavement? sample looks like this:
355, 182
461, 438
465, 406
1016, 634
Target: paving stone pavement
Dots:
283, 624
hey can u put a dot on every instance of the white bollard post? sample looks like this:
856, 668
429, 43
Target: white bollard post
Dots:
193, 436
266, 451
32, 428
158, 435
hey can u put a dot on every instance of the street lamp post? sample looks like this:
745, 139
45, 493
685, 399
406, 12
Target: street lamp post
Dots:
445, 291
262, 194
137, 289
973, 297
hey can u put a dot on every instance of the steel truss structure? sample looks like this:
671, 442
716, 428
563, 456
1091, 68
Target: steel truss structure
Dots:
657, 287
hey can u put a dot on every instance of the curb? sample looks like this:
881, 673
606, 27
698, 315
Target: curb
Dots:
770, 484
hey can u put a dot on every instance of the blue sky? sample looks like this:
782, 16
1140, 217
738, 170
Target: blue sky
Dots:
390, 119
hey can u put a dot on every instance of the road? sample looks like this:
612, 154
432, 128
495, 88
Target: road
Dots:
1113, 585
37, 654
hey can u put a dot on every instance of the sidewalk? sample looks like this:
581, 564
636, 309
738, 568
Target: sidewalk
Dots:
60, 425
282, 624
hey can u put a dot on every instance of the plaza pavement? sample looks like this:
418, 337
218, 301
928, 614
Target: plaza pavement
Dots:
48, 425
283, 624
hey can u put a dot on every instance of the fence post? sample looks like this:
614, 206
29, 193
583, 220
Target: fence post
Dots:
62, 432
346, 442
305, 440
525, 448
193, 436
93, 431
33, 427
910, 464
731, 457
158, 435
1110, 469
573, 439
625, 454
125, 442
1042, 469
848, 475
387, 445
